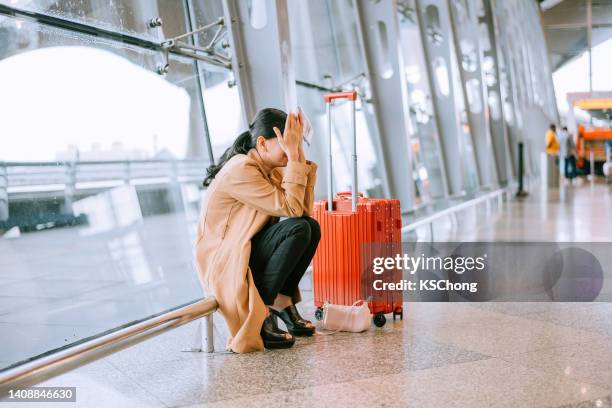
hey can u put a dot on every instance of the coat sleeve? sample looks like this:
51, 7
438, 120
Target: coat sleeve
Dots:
310, 185
311, 181
248, 185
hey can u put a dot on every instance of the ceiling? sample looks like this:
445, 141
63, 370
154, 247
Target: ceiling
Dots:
565, 27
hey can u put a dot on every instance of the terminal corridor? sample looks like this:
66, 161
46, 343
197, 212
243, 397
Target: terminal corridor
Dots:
442, 354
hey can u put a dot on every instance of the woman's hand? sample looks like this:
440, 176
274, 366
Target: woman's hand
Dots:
291, 139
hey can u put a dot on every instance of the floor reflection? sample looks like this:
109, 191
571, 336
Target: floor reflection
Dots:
61, 285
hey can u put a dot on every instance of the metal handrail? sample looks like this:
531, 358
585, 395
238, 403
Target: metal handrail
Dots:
166, 46
65, 360
21, 174
84, 162
455, 208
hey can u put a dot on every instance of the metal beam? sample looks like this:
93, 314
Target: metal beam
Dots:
195, 143
494, 101
261, 54
378, 27
508, 87
590, 42
464, 25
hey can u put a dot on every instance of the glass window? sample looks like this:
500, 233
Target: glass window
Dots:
434, 33
221, 98
327, 53
474, 95
466, 149
385, 69
427, 172
441, 73
469, 58
488, 68
127, 16
258, 14
222, 104
103, 159
495, 109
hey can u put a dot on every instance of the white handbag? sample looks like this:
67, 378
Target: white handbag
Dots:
355, 318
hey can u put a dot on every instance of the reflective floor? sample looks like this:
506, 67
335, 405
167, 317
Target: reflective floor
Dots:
441, 354
63, 285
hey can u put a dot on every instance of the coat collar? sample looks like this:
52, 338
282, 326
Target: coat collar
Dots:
255, 156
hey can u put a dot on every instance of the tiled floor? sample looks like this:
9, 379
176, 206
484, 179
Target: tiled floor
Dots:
440, 355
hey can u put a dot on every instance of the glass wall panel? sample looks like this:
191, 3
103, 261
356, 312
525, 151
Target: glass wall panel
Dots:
221, 98
126, 16
327, 53
103, 159
424, 142
467, 154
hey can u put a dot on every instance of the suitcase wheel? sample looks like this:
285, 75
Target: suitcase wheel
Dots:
398, 312
319, 313
380, 320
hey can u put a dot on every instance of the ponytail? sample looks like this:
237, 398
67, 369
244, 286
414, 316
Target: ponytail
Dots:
263, 125
241, 145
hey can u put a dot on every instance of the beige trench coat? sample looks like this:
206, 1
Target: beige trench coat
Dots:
238, 203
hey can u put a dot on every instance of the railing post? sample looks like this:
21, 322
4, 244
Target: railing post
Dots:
174, 172
174, 188
70, 186
210, 344
204, 336
521, 164
127, 172
4, 204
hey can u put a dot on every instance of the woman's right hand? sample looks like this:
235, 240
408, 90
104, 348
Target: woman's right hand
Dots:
290, 140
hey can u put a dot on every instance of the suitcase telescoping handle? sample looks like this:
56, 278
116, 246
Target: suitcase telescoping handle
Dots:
329, 98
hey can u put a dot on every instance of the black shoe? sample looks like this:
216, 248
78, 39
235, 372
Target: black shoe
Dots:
296, 325
273, 337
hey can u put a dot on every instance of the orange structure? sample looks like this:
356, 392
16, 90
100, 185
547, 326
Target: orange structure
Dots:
592, 113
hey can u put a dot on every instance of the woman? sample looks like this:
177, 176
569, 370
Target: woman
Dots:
246, 258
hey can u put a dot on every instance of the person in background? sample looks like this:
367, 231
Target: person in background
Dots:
569, 154
562, 137
552, 143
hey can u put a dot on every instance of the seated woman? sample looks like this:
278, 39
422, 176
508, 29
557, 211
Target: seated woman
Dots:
248, 259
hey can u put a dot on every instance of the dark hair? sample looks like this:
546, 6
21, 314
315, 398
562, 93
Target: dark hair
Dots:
553, 126
565, 128
262, 125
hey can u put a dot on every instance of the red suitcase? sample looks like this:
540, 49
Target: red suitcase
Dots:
341, 272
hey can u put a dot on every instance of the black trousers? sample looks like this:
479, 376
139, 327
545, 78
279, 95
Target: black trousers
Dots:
280, 254
570, 167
